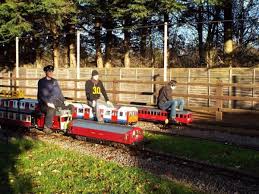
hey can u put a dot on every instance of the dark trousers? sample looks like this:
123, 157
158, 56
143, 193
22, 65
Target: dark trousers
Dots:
49, 114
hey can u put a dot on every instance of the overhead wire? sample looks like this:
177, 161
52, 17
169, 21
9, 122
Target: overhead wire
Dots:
133, 27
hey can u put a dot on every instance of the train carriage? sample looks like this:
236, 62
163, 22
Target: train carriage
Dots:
27, 105
15, 119
121, 115
110, 132
78, 110
154, 114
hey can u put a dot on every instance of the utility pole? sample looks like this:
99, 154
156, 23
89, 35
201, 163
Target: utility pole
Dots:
78, 55
77, 59
17, 56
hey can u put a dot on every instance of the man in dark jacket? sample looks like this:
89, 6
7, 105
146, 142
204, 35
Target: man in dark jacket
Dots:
166, 102
49, 96
93, 90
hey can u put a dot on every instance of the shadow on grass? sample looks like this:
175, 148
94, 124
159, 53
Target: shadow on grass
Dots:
12, 181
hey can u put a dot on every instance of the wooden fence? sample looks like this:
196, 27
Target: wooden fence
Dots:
216, 93
246, 76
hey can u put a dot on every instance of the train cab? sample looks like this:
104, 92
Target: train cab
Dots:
127, 115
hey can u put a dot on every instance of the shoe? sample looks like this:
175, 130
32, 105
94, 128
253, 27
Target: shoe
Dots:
100, 121
47, 130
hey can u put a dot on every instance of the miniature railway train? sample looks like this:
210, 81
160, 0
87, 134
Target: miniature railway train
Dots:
25, 113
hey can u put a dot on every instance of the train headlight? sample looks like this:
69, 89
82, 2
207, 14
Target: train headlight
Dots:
166, 121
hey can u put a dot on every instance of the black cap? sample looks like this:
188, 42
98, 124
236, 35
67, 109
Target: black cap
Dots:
172, 83
94, 72
48, 68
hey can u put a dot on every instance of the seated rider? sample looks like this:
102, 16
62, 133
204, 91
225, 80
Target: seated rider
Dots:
166, 101
49, 96
93, 90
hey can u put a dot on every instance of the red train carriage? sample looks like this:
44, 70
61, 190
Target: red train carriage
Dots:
153, 114
103, 131
15, 119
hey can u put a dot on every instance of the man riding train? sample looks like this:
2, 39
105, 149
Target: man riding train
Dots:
166, 101
50, 97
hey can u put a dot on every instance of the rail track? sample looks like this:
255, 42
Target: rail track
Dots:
201, 133
204, 166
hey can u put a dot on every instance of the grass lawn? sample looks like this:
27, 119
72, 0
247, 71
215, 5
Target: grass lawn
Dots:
28, 166
212, 152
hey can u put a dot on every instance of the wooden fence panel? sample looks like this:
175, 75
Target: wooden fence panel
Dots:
30, 73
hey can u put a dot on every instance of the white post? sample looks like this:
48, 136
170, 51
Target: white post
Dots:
17, 56
78, 55
165, 51
77, 59
253, 89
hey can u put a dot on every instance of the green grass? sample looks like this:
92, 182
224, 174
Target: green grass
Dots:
28, 166
212, 152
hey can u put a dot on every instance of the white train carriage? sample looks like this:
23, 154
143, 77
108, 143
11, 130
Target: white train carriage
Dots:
28, 105
78, 110
122, 115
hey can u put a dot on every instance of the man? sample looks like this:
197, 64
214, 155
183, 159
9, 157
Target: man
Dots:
166, 102
93, 90
49, 96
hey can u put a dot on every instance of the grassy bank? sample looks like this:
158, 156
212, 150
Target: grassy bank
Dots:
34, 167
212, 152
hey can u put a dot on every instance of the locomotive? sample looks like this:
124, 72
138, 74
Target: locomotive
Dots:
25, 113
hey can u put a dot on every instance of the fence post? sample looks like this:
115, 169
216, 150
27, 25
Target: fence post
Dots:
188, 85
114, 83
75, 91
253, 90
209, 81
219, 102
230, 88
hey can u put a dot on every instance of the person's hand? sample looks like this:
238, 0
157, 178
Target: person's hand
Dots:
94, 103
51, 105
109, 104
67, 103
